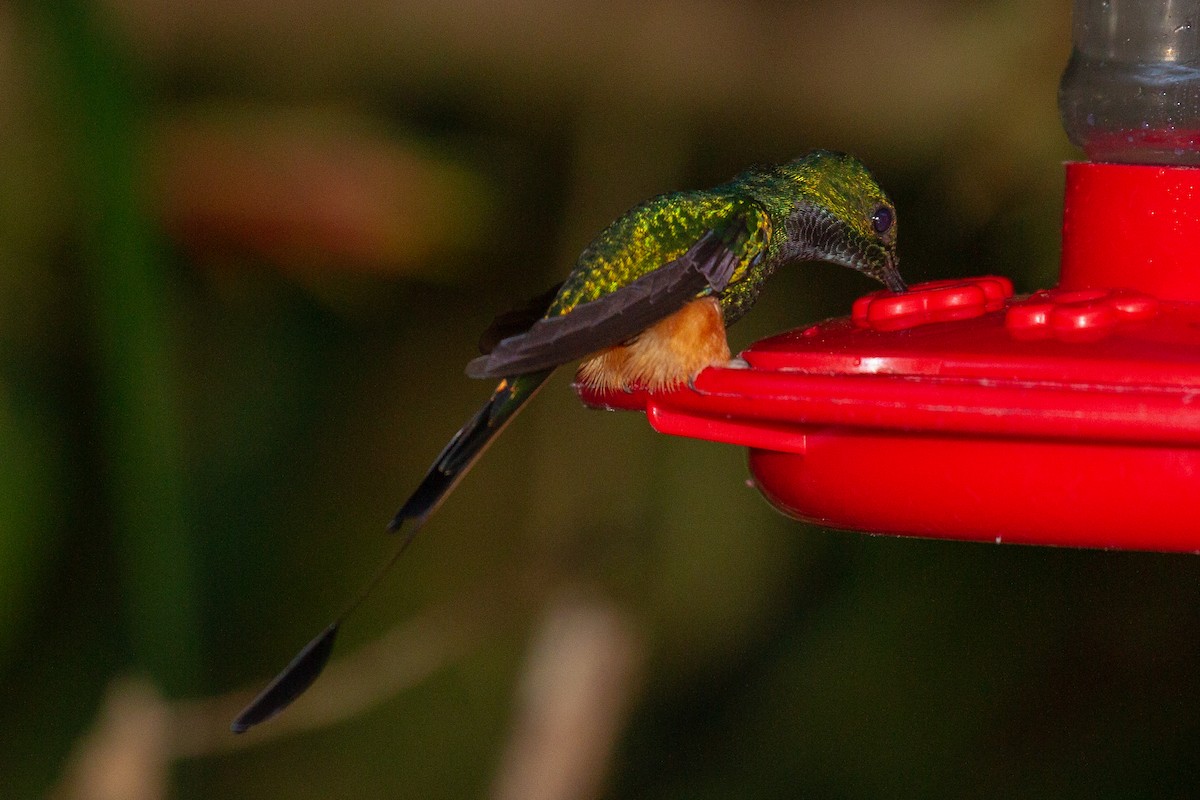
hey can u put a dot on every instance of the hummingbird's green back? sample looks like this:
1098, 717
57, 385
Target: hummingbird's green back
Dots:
782, 213
643, 239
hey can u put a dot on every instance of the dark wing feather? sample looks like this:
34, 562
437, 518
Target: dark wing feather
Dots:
615, 317
518, 320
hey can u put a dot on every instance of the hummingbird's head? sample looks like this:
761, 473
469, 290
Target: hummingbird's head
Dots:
842, 215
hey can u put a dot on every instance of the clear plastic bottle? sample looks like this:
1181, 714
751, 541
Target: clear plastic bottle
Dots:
1131, 91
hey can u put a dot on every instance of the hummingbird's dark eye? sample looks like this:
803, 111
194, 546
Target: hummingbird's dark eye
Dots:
882, 219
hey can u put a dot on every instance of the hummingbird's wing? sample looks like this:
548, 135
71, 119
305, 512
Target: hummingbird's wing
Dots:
518, 320
709, 265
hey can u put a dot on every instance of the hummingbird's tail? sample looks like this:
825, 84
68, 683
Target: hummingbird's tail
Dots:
461, 453
451, 465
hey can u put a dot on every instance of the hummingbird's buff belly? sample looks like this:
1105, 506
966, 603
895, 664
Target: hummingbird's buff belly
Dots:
666, 354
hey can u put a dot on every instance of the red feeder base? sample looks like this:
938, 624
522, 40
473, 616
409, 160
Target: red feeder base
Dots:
1069, 417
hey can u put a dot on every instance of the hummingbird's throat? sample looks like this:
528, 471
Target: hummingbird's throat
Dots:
814, 234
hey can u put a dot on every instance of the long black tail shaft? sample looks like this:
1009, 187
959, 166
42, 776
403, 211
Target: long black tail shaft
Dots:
455, 460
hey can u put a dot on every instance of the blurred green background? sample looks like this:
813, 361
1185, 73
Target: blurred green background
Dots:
246, 248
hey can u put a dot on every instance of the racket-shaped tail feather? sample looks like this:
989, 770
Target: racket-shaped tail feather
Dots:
455, 460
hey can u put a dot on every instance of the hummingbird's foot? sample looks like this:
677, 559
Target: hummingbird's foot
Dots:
737, 362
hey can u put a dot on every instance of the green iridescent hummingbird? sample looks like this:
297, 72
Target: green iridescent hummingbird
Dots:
646, 306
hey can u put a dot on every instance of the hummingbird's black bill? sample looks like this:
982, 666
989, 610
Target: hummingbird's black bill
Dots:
289, 684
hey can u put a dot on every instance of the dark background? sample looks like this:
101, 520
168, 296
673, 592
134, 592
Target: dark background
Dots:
245, 251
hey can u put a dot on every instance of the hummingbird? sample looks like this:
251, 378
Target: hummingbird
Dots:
646, 306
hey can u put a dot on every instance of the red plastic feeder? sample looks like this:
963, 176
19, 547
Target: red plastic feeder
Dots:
1067, 417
